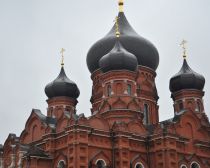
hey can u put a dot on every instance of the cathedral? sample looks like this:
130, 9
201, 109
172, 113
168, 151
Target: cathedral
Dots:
123, 130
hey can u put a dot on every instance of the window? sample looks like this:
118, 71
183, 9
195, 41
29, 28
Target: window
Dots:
100, 164
146, 114
109, 90
181, 106
195, 165
139, 165
183, 166
129, 89
198, 108
61, 164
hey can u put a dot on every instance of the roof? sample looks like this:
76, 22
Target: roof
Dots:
34, 151
50, 121
145, 52
186, 78
62, 86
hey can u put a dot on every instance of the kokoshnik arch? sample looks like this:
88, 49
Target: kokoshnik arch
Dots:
124, 130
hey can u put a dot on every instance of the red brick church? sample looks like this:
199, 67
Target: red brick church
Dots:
124, 130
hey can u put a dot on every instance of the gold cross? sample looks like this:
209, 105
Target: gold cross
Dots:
121, 4
183, 45
62, 60
117, 26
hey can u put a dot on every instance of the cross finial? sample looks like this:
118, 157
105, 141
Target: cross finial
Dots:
121, 5
117, 32
62, 60
183, 45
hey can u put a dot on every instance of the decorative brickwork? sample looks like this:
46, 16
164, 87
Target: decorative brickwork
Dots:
123, 130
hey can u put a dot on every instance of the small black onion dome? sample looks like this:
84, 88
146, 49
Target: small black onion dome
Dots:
186, 78
118, 59
145, 52
62, 86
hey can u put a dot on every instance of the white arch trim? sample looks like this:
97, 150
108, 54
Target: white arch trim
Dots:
60, 162
101, 160
195, 163
183, 166
139, 163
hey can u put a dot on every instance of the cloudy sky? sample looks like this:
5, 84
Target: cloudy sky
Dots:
32, 32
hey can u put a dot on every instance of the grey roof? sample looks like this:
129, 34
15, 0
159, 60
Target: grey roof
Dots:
118, 59
35, 152
145, 52
50, 121
62, 86
186, 78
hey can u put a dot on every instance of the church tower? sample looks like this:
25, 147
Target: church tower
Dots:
123, 66
62, 94
187, 88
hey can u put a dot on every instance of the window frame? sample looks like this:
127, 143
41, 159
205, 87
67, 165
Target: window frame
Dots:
109, 90
146, 114
102, 161
129, 89
183, 166
194, 162
181, 105
139, 163
60, 161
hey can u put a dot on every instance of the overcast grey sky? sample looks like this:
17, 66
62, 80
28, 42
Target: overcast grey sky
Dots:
33, 31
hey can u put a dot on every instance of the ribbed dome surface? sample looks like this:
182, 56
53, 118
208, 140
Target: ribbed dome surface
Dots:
145, 52
62, 86
118, 59
186, 78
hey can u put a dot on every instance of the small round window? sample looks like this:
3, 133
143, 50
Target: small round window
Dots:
61, 164
139, 165
100, 164
195, 165
183, 166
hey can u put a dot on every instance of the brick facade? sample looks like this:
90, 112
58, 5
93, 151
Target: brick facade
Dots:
123, 130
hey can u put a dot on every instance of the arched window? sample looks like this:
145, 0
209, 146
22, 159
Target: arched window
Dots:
198, 108
195, 165
181, 106
129, 89
183, 166
109, 90
61, 164
101, 164
146, 114
34, 131
139, 165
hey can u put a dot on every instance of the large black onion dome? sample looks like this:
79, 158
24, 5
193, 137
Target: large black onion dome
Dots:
118, 59
186, 78
145, 52
62, 86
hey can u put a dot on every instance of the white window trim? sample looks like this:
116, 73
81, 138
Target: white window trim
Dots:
60, 162
183, 165
195, 163
99, 160
138, 164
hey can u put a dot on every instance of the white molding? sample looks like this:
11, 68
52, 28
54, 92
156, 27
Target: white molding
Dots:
183, 166
139, 163
101, 160
195, 163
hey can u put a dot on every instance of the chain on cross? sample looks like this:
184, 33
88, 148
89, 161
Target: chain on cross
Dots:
62, 55
183, 44
117, 26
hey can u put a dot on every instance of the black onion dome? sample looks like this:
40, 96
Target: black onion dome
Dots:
62, 86
145, 52
118, 59
186, 78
